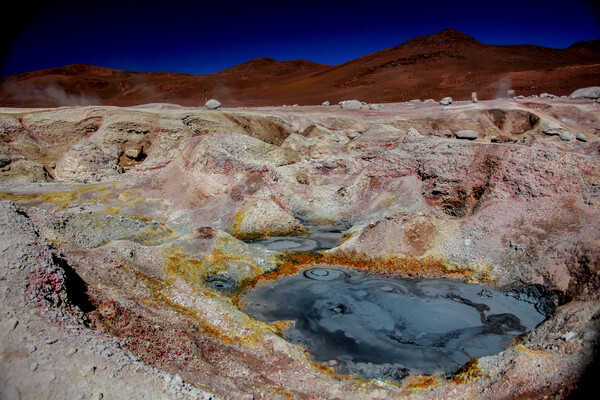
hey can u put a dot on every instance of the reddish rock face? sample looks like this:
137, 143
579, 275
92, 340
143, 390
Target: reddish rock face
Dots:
448, 63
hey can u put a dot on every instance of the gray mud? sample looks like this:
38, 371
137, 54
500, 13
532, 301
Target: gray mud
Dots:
321, 238
388, 328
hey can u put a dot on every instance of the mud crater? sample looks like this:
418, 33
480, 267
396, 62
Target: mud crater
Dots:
390, 328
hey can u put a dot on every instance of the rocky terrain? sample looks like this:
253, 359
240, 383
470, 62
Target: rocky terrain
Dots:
447, 63
123, 230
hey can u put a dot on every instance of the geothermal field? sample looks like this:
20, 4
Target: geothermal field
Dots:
371, 251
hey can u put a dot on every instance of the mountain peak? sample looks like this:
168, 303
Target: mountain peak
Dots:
446, 37
269, 66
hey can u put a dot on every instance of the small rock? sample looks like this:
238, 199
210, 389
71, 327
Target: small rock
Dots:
586, 93
34, 366
88, 370
520, 97
4, 160
326, 103
547, 96
330, 164
177, 379
428, 101
351, 104
485, 293
51, 340
213, 104
413, 133
353, 135
552, 131
466, 134
582, 137
475, 100
415, 101
516, 246
375, 107
31, 348
566, 136
72, 350
568, 336
77, 147
134, 153
445, 101
302, 179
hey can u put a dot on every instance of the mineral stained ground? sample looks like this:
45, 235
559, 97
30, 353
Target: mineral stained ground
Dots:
123, 240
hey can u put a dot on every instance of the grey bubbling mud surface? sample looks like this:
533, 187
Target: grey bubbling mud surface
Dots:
390, 328
321, 238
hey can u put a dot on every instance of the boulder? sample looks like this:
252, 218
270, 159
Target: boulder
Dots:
326, 104
351, 104
592, 92
445, 101
213, 104
566, 136
466, 134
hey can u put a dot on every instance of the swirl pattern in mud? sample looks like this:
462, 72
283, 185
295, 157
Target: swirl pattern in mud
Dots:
320, 239
388, 328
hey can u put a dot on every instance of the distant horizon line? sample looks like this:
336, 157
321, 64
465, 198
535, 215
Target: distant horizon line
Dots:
294, 59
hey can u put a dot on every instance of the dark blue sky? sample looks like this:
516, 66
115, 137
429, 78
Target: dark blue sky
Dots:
209, 36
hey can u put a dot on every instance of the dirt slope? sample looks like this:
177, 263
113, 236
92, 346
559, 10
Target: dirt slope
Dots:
448, 63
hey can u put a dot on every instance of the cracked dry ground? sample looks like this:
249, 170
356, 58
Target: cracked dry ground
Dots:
115, 222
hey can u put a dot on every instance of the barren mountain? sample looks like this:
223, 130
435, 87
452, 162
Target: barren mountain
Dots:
448, 63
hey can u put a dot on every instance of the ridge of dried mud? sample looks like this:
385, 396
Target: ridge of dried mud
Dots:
117, 222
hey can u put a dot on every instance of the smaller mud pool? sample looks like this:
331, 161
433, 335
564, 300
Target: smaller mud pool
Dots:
321, 238
389, 328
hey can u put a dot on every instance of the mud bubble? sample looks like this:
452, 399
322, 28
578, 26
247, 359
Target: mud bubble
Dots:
389, 328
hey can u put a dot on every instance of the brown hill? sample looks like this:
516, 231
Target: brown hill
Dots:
448, 63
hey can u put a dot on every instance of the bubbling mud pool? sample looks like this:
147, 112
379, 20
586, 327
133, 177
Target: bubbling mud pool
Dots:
321, 238
389, 328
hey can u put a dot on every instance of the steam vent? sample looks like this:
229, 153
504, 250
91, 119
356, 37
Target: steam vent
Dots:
371, 251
